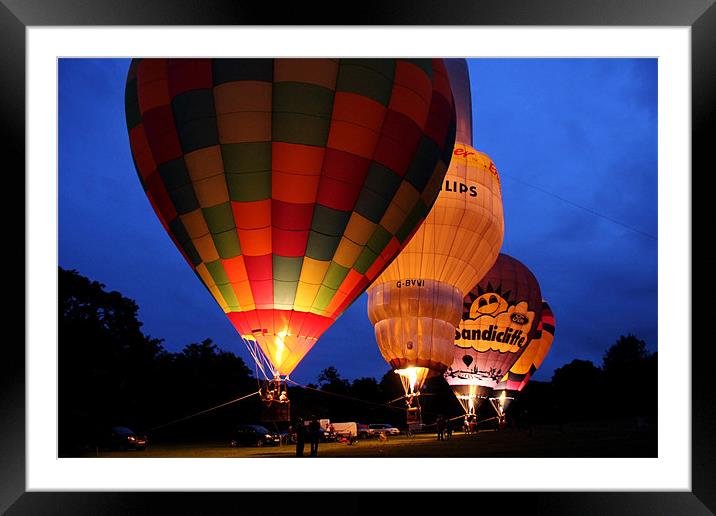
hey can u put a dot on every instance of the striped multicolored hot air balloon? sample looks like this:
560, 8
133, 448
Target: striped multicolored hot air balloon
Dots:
289, 184
500, 318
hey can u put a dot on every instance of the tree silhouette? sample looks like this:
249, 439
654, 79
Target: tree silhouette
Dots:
631, 371
330, 380
110, 373
628, 352
579, 390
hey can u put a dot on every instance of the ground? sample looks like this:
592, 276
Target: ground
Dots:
592, 440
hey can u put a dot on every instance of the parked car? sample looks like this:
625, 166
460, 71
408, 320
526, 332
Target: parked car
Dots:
121, 438
378, 428
363, 431
254, 435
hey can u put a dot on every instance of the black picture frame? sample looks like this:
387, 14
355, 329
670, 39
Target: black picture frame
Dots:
699, 15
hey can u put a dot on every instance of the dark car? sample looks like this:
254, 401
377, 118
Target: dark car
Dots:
254, 435
363, 431
121, 438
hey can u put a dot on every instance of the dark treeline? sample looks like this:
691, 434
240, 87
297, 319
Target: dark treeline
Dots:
111, 373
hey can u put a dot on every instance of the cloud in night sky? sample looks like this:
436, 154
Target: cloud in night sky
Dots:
574, 140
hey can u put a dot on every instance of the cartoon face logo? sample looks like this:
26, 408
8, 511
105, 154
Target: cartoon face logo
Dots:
489, 303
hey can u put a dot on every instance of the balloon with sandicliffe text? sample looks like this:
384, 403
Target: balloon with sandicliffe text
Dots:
500, 318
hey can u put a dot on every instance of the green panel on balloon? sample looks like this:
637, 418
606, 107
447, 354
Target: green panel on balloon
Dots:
248, 157
184, 199
321, 247
287, 268
365, 260
379, 239
324, 297
368, 77
216, 269
449, 147
197, 134
423, 164
227, 292
418, 212
174, 174
192, 105
425, 65
176, 227
131, 104
300, 128
301, 97
230, 70
227, 244
219, 218
284, 292
382, 181
329, 221
371, 205
249, 187
335, 275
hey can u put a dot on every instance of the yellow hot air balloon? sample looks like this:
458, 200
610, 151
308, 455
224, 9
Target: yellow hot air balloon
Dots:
417, 302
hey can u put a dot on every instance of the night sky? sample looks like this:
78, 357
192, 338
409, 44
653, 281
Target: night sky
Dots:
574, 140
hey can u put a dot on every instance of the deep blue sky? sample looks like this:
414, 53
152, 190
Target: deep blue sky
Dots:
574, 140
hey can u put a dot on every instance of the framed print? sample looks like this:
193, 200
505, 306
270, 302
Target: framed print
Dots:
46, 45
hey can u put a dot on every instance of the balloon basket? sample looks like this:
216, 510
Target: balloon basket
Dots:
274, 391
414, 418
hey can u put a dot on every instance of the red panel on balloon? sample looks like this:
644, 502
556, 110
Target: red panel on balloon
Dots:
252, 215
262, 291
397, 145
259, 267
287, 215
337, 194
289, 243
160, 197
143, 158
161, 134
345, 167
436, 127
189, 74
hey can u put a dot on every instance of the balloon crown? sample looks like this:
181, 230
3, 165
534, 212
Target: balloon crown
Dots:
492, 290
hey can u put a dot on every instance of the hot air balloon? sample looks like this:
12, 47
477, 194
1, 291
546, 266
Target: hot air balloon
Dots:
462, 94
500, 317
289, 184
525, 366
417, 301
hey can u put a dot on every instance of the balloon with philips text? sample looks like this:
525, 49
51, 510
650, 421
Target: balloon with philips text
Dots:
417, 302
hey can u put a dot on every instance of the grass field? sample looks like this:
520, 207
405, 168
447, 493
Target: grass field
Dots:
586, 440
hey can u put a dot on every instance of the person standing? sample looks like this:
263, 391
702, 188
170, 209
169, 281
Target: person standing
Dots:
314, 433
448, 429
300, 431
440, 424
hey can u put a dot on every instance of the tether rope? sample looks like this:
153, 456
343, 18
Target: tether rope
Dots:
203, 411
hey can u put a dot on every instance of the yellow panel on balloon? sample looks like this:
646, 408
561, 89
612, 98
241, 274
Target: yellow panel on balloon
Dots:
359, 229
205, 247
347, 253
393, 218
211, 191
219, 298
305, 295
204, 162
194, 224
